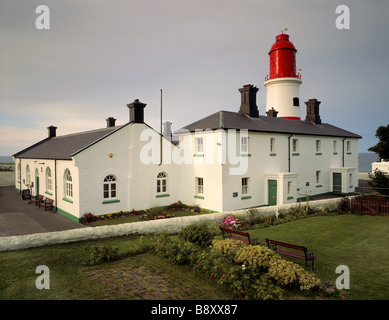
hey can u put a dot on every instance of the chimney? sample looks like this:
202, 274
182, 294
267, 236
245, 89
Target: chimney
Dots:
52, 131
110, 122
248, 103
313, 111
167, 130
136, 111
272, 113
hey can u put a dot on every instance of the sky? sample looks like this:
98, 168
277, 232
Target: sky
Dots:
100, 55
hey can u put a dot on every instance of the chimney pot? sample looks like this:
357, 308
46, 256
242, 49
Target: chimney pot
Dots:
110, 122
52, 131
272, 113
136, 111
248, 104
313, 111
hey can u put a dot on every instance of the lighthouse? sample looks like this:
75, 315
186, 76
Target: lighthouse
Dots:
283, 83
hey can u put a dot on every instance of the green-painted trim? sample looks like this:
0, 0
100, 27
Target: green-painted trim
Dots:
67, 215
272, 154
17, 190
245, 154
289, 198
67, 200
335, 153
110, 201
295, 154
198, 155
162, 195
349, 153
198, 197
318, 153
245, 197
49, 193
318, 186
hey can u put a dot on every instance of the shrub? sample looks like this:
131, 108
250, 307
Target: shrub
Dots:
87, 218
101, 254
288, 273
199, 234
231, 222
228, 247
256, 256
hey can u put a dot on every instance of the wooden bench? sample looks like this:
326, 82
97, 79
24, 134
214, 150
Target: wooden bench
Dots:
48, 204
37, 200
299, 252
237, 235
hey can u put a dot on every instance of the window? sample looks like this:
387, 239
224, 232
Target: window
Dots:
295, 145
296, 102
199, 145
318, 146
28, 179
49, 184
289, 188
244, 144
109, 187
272, 145
350, 180
245, 185
348, 146
68, 184
335, 146
318, 176
161, 182
199, 185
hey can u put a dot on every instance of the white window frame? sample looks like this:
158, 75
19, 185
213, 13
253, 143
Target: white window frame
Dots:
110, 187
348, 146
295, 145
199, 145
162, 183
68, 184
318, 177
49, 180
245, 185
199, 185
335, 146
318, 146
290, 186
28, 175
272, 145
244, 145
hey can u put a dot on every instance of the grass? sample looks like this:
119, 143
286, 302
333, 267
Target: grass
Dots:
352, 240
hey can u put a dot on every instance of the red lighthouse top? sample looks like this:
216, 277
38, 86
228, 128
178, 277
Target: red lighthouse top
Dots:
282, 58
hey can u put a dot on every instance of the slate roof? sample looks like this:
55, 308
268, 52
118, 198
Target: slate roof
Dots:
234, 120
63, 147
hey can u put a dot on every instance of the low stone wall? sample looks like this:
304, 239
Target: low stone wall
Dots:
7, 178
167, 225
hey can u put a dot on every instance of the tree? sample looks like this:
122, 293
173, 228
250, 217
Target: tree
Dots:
379, 181
382, 147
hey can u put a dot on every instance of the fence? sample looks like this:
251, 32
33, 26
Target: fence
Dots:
370, 205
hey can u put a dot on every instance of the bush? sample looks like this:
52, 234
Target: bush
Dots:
228, 247
256, 256
231, 222
199, 234
101, 254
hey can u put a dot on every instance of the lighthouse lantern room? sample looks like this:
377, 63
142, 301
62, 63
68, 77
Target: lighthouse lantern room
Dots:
283, 83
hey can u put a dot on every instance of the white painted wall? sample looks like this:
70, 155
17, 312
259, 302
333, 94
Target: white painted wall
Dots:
382, 166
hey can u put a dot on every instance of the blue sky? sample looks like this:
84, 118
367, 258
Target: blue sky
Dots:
98, 56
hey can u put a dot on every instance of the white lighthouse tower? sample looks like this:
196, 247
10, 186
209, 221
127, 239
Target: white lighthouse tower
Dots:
283, 84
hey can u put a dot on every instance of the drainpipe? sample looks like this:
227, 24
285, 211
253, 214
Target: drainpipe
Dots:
161, 134
289, 152
55, 185
20, 175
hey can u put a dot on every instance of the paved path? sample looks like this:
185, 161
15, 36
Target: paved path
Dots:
17, 217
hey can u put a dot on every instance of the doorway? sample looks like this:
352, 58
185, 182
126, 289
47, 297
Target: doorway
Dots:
272, 192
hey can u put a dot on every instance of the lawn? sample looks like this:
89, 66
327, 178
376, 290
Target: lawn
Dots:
359, 242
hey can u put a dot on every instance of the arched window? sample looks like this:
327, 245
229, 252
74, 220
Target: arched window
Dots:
161, 182
68, 184
28, 179
296, 102
109, 187
49, 184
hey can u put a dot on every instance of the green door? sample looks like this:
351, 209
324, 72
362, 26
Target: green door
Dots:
337, 183
37, 185
272, 192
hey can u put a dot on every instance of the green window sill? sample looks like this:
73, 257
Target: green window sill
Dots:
318, 153
67, 200
289, 198
162, 195
110, 201
335, 153
49, 193
245, 154
318, 186
349, 153
198, 155
245, 197
273, 154
198, 197
295, 154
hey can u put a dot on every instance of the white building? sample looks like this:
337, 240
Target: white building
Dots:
226, 161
